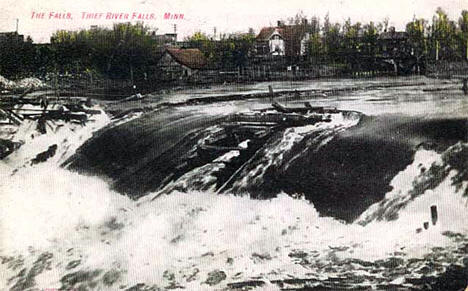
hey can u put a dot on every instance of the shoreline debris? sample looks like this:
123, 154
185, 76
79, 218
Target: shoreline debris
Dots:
47, 111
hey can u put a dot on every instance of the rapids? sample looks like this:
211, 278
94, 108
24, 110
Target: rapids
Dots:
325, 206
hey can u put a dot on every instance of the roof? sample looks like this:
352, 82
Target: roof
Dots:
293, 33
192, 58
265, 33
287, 32
393, 35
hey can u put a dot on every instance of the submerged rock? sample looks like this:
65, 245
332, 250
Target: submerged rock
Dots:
26, 278
215, 277
84, 278
44, 156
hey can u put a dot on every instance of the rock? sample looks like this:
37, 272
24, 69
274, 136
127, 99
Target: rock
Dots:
26, 279
44, 156
110, 277
69, 281
297, 254
261, 257
143, 287
7, 147
73, 264
215, 277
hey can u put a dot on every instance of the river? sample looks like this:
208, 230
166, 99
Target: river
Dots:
124, 203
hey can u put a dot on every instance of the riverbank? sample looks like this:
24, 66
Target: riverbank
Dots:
288, 91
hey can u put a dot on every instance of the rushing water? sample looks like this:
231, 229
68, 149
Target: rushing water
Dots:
325, 206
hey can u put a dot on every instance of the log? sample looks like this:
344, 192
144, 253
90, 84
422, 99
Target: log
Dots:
11, 117
57, 116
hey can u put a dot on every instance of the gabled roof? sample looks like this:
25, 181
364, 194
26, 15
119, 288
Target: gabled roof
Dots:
287, 32
192, 58
265, 33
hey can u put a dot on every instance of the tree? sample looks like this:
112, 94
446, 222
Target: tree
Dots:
370, 35
331, 38
443, 36
351, 37
417, 31
17, 56
463, 24
126, 50
314, 44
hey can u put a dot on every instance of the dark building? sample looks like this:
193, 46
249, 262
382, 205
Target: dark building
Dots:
393, 43
11, 37
181, 63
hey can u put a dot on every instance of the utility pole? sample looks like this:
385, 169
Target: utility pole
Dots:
17, 21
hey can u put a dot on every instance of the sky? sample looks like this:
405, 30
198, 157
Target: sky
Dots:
203, 15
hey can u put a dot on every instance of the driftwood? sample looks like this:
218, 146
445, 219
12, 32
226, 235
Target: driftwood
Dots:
135, 97
56, 115
11, 108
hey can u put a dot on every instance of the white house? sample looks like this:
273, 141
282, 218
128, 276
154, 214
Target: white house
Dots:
283, 40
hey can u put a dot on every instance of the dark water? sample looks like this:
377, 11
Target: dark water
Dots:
137, 156
342, 178
341, 171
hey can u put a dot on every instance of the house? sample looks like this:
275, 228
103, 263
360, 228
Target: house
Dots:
181, 63
393, 42
283, 40
270, 41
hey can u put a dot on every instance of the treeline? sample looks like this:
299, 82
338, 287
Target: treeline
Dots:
438, 39
229, 51
442, 38
129, 51
124, 51
18, 58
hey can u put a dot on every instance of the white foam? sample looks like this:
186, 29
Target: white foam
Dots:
189, 235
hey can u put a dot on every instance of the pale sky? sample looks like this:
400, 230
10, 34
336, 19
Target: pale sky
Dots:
227, 16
